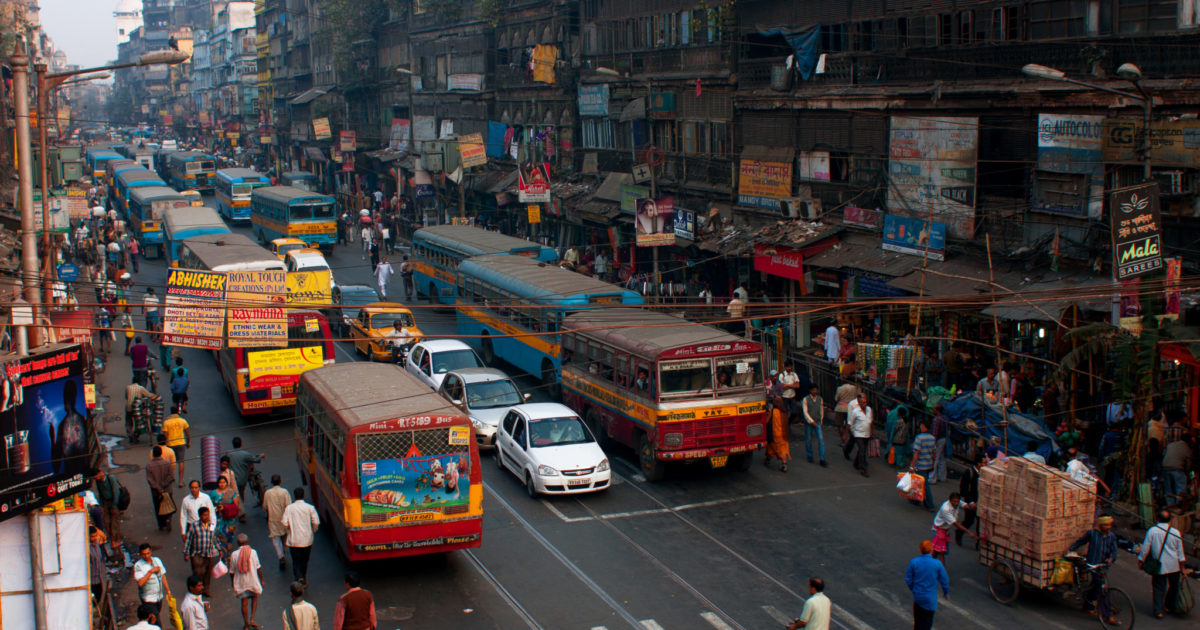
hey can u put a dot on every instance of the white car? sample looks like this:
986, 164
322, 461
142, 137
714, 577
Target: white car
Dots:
429, 361
550, 448
486, 394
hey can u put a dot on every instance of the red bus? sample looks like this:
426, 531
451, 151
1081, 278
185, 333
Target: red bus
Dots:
262, 380
392, 467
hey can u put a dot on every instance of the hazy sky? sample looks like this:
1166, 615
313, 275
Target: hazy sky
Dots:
84, 29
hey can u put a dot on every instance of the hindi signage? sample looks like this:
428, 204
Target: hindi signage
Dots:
1137, 250
533, 183
763, 184
348, 141
471, 149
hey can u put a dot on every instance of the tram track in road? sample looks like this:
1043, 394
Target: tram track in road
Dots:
503, 592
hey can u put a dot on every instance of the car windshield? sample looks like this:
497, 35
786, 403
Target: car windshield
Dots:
388, 320
493, 394
284, 249
454, 360
359, 295
558, 432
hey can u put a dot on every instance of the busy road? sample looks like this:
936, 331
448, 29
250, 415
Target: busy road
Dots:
720, 549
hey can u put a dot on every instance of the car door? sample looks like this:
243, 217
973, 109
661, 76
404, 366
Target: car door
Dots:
358, 332
518, 453
504, 443
410, 363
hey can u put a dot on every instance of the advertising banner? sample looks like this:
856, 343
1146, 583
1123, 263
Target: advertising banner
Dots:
470, 148
348, 141
1135, 230
593, 100
311, 288
533, 183
1172, 143
320, 128
1173, 294
655, 222
763, 184
398, 136
685, 224
861, 217
47, 437
931, 164
195, 309
1070, 144
417, 487
630, 195
914, 236
255, 300
283, 367
469, 82
779, 261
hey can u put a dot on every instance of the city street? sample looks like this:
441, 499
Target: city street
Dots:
703, 549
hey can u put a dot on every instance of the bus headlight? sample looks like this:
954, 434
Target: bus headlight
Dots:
754, 430
546, 471
673, 440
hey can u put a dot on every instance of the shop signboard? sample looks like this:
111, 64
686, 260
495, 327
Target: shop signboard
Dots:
629, 196
1172, 143
763, 184
1070, 143
533, 183
320, 128
195, 309
470, 148
348, 141
398, 136
779, 260
48, 440
685, 224
282, 367
593, 100
931, 168
1137, 250
256, 302
468, 82
861, 217
914, 236
655, 222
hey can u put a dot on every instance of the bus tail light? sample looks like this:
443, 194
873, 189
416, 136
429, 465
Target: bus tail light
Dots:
754, 430
673, 440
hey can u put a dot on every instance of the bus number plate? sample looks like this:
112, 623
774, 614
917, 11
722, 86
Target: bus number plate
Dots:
719, 461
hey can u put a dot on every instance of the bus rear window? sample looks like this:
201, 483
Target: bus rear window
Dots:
679, 377
244, 189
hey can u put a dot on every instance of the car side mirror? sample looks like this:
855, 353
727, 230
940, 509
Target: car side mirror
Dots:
456, 403
528, 396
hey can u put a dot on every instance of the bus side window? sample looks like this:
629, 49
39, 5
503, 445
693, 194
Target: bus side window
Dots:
623, 376
643, 380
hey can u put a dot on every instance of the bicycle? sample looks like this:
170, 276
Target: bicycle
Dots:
1009, 570
254, 481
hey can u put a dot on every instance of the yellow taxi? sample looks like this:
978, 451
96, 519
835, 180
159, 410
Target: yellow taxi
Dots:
371, 329
195, 199
281, 246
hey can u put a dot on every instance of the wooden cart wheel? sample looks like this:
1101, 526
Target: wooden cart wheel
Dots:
1003, 582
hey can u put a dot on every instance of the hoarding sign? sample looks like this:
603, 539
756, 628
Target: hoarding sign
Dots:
1172, 143
655, 222
685, 224
348, 141
861, 217
1137, 250
47, 437
593, 100
283, 367
1070, 144
764, 184
320, 128
533, 183
195, 309
629, 196
417, 487
931, 167
470, 148
398, 136
778, 260
914, 236
256, 316
465, 82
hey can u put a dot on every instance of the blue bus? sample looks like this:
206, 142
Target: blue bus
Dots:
183, 223
233, 192
130, 179
284, 211
147, 206
437, 251
112, 168
512, 308
96, 160
192, 170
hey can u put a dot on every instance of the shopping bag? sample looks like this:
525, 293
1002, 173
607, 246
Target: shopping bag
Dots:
173, 610
892, 455
873, 448
166, 505
1184, 599
219, 570
916, 486
1064, 573
904, 483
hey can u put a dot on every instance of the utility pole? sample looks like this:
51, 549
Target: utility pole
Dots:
48, 258
29, 257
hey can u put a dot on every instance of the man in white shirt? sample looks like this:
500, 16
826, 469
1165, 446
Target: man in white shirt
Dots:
383, 273
1078, 469
833, 343
1166, 544
247, 579
189, 508
861, 420
947, 519
151, 578
741, 293
300, 615
301, 522
275, 502
815, 614
150, 305
601, 266
193, 610
147, 619
789, 383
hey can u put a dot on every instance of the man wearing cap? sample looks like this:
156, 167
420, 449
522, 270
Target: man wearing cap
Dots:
1102, 550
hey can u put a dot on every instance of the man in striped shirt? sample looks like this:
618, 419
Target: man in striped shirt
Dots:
924, 446
200, 547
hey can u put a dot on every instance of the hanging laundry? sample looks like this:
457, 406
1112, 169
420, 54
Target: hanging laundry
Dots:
545, 56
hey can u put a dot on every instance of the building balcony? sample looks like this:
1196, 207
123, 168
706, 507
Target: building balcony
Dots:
712, 59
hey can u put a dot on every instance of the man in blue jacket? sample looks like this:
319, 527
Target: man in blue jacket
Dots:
923, 577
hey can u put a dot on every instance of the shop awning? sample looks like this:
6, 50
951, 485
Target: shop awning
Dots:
309, 95
1045, 301
504, 183
864, 252
315, 154
610, 188
597, 211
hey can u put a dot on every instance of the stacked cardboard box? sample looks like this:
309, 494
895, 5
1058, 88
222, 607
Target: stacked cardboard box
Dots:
1032, 509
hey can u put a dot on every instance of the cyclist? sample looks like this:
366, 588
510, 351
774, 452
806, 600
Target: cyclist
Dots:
1101, 554
133, 392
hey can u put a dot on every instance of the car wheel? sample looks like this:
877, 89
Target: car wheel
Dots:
499, 458
530, 489
489, 354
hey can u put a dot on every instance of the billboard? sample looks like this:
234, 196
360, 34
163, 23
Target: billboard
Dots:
398, 135
275, 368
1070, 144
470, 147
320, 128
348, 141
1137, 250
931, 166
533, 183
655, 222
1172, 143
194, 309
685, 224
762, 184
914, 236
256, 316
417, 487
47, 436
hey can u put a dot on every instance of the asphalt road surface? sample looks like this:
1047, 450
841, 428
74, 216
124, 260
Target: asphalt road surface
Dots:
718, 549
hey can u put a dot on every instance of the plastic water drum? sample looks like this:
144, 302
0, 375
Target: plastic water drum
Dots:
210, 460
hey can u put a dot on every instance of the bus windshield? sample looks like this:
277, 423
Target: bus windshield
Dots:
493, 394
454, 360
557, 432
692, 375
323, 211
740, 371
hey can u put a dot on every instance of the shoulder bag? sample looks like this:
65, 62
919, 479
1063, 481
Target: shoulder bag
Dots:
1153, 564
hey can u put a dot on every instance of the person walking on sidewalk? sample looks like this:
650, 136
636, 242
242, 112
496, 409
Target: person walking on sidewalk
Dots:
151, 578
179, 385
178, 435
240, 461
200, 548
862, 420
845, 395
160, 474
150, 306
777, 445
300, 615
246, 574
147, 619
275, 501
923, 577
813, 410
356, 607
108, 490
922, 459
1165, 544
194, 610
189, 508
139, 355
301, 521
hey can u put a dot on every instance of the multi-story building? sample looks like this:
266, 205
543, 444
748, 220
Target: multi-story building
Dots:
128, 16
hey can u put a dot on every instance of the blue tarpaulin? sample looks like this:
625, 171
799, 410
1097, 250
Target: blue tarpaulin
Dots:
495, 140
1025, 433
805, 45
